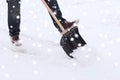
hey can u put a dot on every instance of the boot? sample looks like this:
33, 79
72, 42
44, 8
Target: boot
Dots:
15, 40
68, 24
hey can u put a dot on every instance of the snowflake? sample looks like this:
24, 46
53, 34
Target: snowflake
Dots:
2, 67
76, 35
116, 64
72, 39
13, 6
98, 58
86, 56
74, 64
18, 17
33, 44
54, 7
49, 50
7, 75
79, 44
34, 62
35, 72
55, 12
109, 54
11, 26
49, 0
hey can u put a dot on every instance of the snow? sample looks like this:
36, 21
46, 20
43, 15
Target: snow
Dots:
44, 59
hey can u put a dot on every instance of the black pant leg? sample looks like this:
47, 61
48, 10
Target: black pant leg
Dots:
14, 17
53, 4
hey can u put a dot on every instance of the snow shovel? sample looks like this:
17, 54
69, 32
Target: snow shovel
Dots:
71, 39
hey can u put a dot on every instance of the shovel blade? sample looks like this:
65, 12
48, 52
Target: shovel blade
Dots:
71, 40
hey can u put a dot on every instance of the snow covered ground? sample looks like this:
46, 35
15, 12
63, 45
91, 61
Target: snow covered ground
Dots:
44, 59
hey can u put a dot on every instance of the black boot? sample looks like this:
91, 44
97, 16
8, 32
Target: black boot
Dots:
16, 40
68, 24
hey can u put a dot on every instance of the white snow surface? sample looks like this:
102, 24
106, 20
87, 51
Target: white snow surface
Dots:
44, 59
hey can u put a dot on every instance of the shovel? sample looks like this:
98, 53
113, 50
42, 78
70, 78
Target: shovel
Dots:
71, 39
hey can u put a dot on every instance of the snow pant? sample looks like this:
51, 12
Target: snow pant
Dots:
14, 15
53, 4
